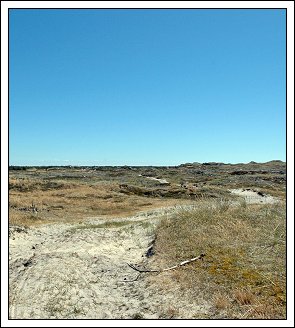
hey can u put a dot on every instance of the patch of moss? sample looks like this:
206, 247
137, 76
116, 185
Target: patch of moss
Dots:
234, 269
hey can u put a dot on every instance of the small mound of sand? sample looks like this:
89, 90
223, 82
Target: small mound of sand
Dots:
254, 197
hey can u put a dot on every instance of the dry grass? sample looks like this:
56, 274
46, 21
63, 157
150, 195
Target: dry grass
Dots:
25, 219
63, 201
244, 297
221, 302
243, 274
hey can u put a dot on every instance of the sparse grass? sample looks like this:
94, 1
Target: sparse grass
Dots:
244, 296
109, 224
245, 256
169, 313
221, 302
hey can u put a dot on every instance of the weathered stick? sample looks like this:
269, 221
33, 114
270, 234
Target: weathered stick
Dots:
185, 262
167, 269
141, 270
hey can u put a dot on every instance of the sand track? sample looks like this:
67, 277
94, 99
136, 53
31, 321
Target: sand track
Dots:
80, 271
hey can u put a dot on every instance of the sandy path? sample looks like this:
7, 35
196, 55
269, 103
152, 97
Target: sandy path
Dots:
80, 271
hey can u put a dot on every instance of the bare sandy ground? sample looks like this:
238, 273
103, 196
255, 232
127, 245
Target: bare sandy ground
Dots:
79, 271
254, 197
162, 181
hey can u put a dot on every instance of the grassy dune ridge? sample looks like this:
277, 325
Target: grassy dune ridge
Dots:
243, 273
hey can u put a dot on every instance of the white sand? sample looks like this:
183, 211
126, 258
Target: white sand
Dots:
73, 271
162, 181
253, 197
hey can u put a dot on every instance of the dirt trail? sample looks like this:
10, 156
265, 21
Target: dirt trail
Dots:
79, 270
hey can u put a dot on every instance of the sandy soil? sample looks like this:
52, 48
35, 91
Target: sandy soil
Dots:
79, 271
254, 197
162, 181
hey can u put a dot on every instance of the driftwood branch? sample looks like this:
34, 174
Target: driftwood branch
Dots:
200, 257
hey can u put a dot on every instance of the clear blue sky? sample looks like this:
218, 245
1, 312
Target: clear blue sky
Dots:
146, 87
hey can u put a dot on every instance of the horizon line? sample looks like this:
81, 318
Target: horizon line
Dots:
145, 165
